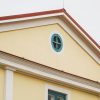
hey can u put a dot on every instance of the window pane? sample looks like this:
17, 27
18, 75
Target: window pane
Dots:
59, 45
60, 98
56, 42
50, 97
54, 45
55, 38
59, 40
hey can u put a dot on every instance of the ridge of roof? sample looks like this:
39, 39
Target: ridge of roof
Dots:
50, 12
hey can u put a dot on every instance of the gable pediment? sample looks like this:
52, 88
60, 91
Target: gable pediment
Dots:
30, 39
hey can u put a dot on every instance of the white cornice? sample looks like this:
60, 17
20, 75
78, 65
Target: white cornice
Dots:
29, 18
49, 74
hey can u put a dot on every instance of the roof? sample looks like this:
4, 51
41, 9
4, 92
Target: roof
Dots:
46, 13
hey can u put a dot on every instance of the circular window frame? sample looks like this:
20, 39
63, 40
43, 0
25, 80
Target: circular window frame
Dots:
59, 50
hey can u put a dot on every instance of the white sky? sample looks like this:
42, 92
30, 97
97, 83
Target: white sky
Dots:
85, 12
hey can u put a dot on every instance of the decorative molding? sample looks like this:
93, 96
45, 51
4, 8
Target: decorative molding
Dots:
8, 84
10, 68
27, 24
48, 73
29, 18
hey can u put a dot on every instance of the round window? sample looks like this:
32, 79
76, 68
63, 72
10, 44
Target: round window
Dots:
56, 42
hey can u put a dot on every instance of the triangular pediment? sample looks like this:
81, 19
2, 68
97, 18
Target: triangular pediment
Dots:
31, 39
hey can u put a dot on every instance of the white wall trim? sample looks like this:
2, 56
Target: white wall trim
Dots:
33, 17
8, 84
56, 88
46, 74
27, 24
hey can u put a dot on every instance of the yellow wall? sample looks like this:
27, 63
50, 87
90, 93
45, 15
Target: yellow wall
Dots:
1, 84
28, 88
34, 44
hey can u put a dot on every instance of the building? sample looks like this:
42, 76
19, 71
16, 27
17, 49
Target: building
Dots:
47, 56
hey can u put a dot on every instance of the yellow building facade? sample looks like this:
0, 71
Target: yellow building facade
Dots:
47, 56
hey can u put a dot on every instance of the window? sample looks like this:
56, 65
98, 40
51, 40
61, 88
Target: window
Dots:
53, 95
56, 42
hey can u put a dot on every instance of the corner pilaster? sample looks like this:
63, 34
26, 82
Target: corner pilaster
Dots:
8, 95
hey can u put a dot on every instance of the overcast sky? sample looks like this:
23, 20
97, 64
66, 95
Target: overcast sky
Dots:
85, 12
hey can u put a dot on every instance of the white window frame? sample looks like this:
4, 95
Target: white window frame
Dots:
56, 88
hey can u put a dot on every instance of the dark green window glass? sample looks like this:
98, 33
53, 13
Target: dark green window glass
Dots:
53, 95
56, 42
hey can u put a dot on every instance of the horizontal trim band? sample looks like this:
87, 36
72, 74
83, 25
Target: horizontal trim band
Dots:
50, 74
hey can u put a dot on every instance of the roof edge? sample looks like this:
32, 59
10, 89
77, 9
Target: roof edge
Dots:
80, 27
31, 14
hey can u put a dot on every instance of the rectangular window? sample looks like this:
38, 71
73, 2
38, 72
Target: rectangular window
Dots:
53, 95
